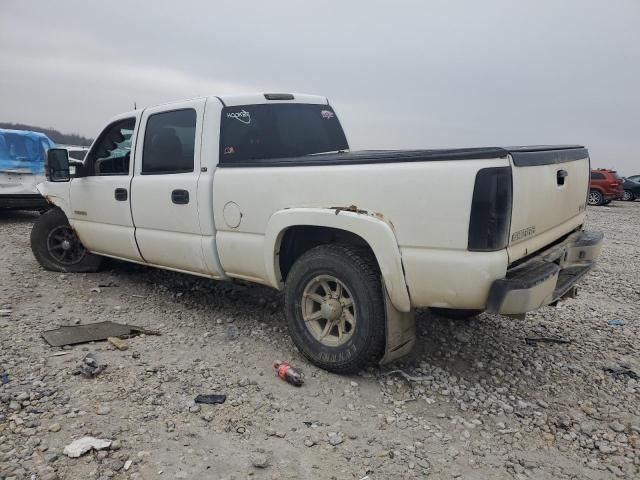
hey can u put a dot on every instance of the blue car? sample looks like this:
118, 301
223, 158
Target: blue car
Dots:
22, 156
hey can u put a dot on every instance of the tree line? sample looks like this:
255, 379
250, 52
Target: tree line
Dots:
55, 135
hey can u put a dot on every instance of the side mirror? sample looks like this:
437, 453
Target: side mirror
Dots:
56, 167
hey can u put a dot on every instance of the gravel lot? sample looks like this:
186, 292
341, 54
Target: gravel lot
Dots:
475, 400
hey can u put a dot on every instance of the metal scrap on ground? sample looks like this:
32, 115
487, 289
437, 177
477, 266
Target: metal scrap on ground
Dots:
211, 399
92, 332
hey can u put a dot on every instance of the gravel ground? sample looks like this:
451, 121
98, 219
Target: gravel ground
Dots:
475, 400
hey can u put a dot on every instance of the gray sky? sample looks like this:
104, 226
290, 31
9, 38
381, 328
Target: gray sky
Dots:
400, 74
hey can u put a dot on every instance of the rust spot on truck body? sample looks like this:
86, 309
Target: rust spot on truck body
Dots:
351, 208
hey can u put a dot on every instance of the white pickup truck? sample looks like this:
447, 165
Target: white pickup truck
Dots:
262, 188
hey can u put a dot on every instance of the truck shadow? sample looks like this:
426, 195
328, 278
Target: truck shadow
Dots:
17, 216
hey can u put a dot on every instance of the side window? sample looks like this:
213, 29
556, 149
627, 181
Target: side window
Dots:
597, 176
169, 142
111, 154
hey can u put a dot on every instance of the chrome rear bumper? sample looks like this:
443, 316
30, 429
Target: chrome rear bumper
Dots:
546, 278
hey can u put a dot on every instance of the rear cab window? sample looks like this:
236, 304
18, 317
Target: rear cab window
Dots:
272, 131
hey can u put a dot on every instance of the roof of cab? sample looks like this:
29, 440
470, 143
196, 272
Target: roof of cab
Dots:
234, 101
260, 98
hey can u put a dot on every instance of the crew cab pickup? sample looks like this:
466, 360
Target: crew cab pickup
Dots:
263, 188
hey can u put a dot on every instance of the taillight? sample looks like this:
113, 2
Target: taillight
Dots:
491, 210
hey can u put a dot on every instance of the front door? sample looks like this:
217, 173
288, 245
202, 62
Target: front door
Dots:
100, 201
164, 196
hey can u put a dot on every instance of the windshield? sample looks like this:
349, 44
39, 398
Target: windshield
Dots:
270, 131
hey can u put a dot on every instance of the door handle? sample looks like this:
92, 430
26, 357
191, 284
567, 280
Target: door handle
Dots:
560, 176
180, 197
120, 194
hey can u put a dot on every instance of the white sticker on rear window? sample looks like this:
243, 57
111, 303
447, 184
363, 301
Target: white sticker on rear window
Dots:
327, 114
242, 116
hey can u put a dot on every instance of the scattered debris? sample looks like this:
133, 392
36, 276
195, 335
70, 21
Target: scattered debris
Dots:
89, 367
211, 399
534, 340
118, 343
127, 465
92, 332
287, 373
4, 378
79, 447
622, 370
616, 323
412, 378
5, 312
60, 354
95, 289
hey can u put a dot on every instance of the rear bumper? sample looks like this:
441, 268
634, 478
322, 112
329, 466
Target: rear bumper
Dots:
26, 202
546, 278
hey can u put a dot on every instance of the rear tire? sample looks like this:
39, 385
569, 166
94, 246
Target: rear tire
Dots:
335, 308
628, 196
57, 247
456, 314
595, 198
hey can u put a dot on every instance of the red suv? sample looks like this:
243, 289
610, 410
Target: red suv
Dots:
606, 185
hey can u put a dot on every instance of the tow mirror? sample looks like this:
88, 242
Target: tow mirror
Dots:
57, 165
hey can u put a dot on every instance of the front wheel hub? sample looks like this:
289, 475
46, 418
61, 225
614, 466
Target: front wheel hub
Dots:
64, 246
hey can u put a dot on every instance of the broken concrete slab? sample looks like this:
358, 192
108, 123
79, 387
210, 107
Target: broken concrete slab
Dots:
91, 332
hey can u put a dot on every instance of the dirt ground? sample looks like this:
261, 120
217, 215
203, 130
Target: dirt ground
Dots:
474, 401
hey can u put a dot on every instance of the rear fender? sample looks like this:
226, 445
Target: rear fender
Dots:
372, 228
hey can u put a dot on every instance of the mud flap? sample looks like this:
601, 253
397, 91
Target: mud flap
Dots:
400, 331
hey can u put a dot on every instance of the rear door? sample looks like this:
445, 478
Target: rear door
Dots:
549, 196
164, 196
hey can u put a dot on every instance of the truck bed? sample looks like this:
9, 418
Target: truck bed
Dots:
522, 156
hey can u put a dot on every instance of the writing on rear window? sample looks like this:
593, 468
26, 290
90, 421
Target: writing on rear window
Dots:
242, 116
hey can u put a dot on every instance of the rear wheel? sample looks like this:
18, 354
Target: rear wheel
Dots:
455, 314
57, 247
335, 308
595, 198
628, 196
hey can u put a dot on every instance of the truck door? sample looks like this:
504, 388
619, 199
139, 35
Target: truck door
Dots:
100, 211
164, 196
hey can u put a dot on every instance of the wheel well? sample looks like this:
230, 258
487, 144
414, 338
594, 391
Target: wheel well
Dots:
301, 238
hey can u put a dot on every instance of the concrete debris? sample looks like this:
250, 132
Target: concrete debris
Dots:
79, 447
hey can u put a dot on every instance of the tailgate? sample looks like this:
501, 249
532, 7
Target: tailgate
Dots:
549, 196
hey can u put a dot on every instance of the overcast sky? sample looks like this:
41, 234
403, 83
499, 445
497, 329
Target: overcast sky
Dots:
401, 74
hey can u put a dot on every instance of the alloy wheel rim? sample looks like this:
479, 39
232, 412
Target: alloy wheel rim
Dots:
593, 198
64, 246
328, 310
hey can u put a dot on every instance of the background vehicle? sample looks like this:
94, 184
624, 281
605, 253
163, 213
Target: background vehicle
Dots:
605, 186
22, 156
262, 188
75, 152
631, 190
634, 178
